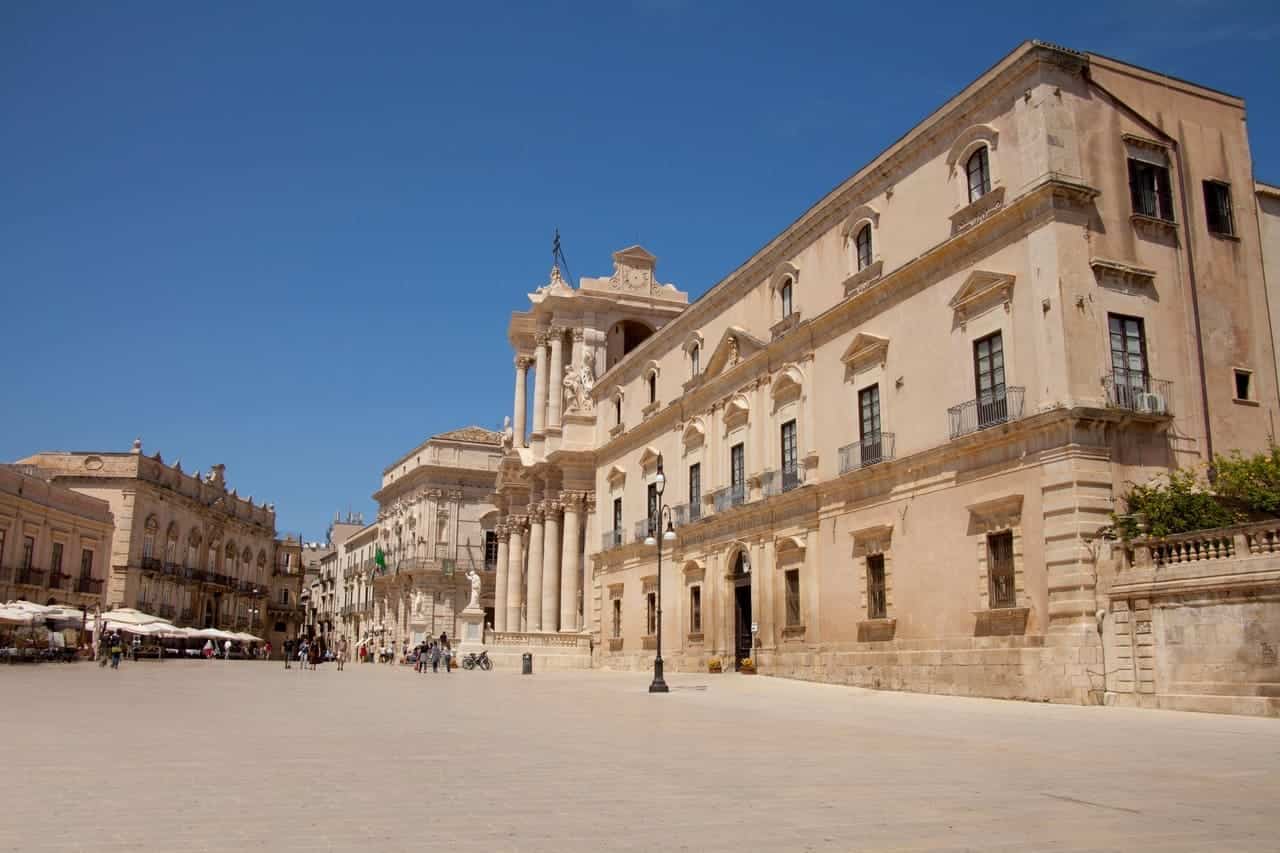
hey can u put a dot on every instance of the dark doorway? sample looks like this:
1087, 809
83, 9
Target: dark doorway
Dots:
741, 610
208, 614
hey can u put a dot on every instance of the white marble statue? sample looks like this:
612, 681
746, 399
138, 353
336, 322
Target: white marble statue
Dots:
508, 432
578, 384
474, 603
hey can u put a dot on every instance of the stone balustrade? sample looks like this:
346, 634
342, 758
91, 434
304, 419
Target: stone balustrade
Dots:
1224, 543
537, 639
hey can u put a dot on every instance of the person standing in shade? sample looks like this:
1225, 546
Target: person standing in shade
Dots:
288, 652
226, 650
446, 651
342, 651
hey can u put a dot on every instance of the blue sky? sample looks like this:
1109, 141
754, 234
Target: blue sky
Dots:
287, 236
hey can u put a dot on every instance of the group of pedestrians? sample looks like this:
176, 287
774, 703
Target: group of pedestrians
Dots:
434, 652
309, 653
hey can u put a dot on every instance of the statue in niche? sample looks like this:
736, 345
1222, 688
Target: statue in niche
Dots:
578, 384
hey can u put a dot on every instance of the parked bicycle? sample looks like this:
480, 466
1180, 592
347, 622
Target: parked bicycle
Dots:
474, 660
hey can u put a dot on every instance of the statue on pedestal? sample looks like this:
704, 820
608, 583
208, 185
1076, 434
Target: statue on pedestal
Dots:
474, 603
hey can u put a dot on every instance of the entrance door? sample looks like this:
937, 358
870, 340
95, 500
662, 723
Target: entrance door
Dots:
742, 624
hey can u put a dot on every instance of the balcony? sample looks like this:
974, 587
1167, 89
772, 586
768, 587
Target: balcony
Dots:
151, 564
987, 411
611, 539
1137, 392
58, 580
731, 496
31, 577
89, 586
165, 611
188, 614
171, 570
777, 482
869, 451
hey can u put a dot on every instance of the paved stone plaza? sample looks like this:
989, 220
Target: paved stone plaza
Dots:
247, 756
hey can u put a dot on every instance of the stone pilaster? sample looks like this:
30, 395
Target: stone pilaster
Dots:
500, 577
571, 565
537, 542
516, 526
551, 567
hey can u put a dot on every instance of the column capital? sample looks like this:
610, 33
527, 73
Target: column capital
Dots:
552, 509
517, 524
537, 514
542, 337
523, 362
579, 333
502, 531
574, 501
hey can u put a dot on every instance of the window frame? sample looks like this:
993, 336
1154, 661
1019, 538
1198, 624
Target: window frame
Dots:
786, 296
863, 247
695, 360
738, 467
1224, 215
651, 613
615, 623
998, 568
793, 616
788, 446
982, 156
1141, 189
877, 588
695, 609
1238, 373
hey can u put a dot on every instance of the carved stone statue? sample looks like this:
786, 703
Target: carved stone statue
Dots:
474, 603
578, 384
508, 433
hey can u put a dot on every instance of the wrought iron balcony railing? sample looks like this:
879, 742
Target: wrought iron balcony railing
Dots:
31, 577
89, 586
611, 539
993, 409
1137, 392
776, 482
58, 580
730, 496
868, 451
151, 564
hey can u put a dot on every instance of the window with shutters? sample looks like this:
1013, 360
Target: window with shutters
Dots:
863, 244
737, 473
790, 476
28, 551
651, 613
784, 294
651, 510
695, 491
1150, 189
1217, 208
988, 371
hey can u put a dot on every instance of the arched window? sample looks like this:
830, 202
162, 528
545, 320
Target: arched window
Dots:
149, 538
863, 244
695, 357
617, 410
784, 296
978, 168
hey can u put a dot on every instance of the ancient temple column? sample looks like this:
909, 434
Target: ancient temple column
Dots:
522, 374
500, 578
533, 595
515, 571
570, 564
551, 568
555, 382
540, 386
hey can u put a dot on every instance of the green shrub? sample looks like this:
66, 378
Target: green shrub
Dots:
1251, 481
1175, 503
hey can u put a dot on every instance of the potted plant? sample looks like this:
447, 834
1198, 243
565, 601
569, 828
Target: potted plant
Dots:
747, 666
715, 665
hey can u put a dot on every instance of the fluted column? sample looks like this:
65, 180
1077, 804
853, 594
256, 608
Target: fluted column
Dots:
555, 382
570, 563
533, 596
551, 568
515, 570
522, 384
500, 578
540, 385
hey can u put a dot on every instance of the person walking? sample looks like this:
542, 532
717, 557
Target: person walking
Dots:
208, 650
342, 651
313, 654
435, 658
266, 650
288, 652
117, 650
447, 652
226, 650
303, 650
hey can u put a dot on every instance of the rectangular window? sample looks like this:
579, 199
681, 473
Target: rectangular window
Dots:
789, 446
1000, 569
988, 371
793, 597
695, 491
876, 604
1150, 190
653, 388
1244, 383
738, 471
651, 518
869, 425
55, 562
785, 295
490, 549
1217, 208
28, 551
695, 360
1128, 358
695, 610
651, 613
617, 519
616, 625
86, 562
617, 411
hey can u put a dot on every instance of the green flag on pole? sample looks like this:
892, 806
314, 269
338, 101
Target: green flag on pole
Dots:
380, 559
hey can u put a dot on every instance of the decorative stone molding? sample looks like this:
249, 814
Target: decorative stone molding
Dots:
788, 544
694, 434
785, 271
979, 290
694, 572
616, 590
784, 325
787, 386
994, 515
737, 410
649, 458
649, 583
537, 514
793, 633
1003, 622
575, 501
552, 509
876, 630
863, 278
968, 140
865, 350
872, 540
617, 475
973, 213
863, 214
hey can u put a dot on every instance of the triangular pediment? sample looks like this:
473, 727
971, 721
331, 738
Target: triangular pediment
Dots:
736, 345
980, 288
649, 457
637, 255
866, 349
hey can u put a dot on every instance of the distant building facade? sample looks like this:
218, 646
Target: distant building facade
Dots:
55, 543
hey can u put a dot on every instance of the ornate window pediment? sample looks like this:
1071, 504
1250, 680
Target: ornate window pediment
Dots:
967, 141
617, 475
736, 345
649, 458
789, 545
996, 514
866, 350
787, 385
872, 540
694, 433
736, 411
784, 272
980, 289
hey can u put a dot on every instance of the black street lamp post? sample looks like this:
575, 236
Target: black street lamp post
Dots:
668, 534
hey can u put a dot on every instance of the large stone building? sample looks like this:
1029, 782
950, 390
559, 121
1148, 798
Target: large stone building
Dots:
184, 546
54, 542
893, 438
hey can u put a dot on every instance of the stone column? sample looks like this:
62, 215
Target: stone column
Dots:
551, 568
515, 571
500, 578
533, 596
555, 382
522, 384
571, 563
540, 385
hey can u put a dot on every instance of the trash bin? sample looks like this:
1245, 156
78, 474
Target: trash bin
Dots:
526, 663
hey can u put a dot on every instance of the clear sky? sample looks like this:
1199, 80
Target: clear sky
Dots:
288, 236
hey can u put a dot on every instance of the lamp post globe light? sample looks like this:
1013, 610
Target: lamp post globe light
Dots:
661, 520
